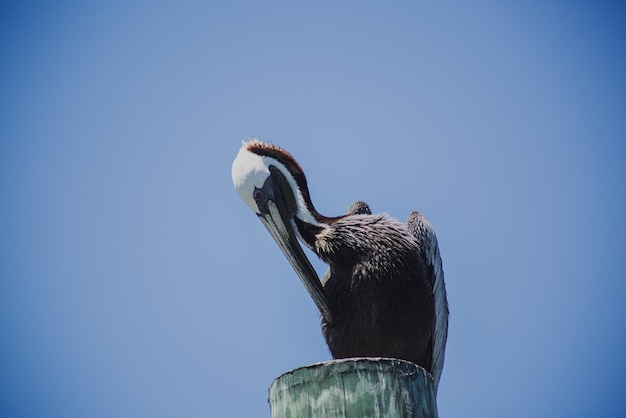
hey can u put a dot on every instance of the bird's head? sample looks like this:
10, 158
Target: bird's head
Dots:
273, 185
264, 173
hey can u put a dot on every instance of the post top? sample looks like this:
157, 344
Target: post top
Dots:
354, 387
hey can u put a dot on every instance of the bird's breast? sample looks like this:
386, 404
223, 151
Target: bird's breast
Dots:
378, 313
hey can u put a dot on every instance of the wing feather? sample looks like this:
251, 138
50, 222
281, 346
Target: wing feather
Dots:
422, 230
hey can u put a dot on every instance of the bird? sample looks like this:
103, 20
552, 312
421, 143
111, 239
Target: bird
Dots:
384, 293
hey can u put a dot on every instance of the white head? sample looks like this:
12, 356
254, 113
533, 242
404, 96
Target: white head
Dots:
249, 172
251, 169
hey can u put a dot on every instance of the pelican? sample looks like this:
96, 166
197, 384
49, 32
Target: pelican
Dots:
384, 293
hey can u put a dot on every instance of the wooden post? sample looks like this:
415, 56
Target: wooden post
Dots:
354, 388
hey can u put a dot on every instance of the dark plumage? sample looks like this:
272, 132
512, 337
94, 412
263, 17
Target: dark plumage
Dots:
384, 293
377, 289
358, 208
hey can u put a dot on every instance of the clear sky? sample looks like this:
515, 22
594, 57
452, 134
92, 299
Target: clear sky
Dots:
135, 283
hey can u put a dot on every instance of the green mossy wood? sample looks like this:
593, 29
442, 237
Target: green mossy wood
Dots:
354, 388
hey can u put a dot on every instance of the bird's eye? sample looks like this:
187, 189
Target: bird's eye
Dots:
257, 194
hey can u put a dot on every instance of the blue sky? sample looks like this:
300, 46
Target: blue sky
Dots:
135, 283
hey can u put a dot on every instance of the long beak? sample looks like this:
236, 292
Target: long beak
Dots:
277, 220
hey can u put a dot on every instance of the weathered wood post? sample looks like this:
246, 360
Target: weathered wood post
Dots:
354, 388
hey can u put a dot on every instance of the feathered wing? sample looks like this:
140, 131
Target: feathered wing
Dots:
359, 208
420, 228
